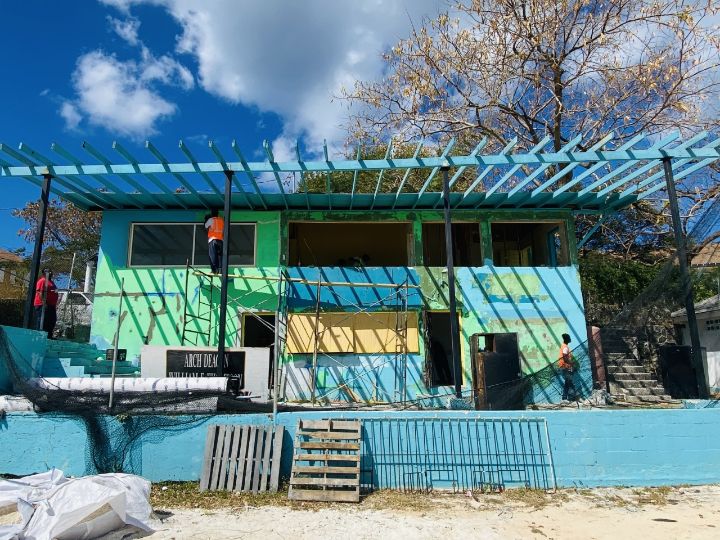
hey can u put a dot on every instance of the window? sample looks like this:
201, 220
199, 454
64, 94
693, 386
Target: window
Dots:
349, 244
712, 324
529, 244
242, 245
466, 244
161, 244
173, 244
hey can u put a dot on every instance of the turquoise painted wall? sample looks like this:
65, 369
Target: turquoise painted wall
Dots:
589, 448
26, 348
538, 303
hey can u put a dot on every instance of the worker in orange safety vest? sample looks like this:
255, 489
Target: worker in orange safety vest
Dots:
215, 228
566, 363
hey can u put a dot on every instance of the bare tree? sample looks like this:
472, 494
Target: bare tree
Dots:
535, 67
531, 68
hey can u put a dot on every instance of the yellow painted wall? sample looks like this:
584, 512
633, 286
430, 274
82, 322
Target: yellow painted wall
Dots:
360, 333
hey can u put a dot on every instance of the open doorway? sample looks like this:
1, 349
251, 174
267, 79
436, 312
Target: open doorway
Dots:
497, 380
258, 330
438, 353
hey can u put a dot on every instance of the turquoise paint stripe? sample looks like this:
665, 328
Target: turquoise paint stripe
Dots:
388, 152
443, 160
537, 172
508, 147
407, 172
244, 166
273, 165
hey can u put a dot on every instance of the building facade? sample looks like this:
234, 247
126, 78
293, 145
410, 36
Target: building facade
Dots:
358, 299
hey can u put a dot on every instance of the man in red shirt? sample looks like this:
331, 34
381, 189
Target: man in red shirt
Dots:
46, 298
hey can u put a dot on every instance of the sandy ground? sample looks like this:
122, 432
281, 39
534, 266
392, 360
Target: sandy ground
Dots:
608, 513
647, 514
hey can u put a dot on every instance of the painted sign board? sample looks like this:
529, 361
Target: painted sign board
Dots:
203, 363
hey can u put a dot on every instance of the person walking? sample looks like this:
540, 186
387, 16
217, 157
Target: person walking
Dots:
215, 226
566, 363
45, 303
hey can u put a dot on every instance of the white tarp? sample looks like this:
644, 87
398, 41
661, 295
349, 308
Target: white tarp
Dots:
10, 404
132, 384
55, 507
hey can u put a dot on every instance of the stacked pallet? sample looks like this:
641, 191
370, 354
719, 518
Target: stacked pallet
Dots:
242, 458
326, 461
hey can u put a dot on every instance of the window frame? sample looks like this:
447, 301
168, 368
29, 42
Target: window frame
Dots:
561, 224
411, 255
131, 237
454, 222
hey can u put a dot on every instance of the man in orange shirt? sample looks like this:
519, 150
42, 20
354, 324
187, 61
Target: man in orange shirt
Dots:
45, 303
567, 364
215, 227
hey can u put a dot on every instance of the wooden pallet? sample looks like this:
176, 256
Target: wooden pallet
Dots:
326, 461
242, 458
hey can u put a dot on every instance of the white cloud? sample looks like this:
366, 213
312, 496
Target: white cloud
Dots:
291, 58
119, 95
70, 114
127, 29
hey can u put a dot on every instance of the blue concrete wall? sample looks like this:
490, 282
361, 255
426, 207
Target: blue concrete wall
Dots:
589, 448
27, 348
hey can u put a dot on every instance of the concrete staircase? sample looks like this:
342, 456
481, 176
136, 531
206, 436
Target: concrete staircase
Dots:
630, 382
72, 359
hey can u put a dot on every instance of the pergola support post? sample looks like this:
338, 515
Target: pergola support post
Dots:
454, 330
224, 275
685, 280
37, 250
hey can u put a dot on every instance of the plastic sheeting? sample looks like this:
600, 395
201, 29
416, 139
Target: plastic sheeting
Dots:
15, 404
131, 385
54, 507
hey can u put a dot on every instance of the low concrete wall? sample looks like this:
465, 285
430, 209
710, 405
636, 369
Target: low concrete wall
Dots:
589, 448
27, 348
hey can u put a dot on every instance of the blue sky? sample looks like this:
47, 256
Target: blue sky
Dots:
165, 70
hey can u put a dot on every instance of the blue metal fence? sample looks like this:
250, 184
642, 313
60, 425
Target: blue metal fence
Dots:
486, 454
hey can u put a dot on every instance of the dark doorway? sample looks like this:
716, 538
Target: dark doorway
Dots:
497, 380
438, 355
258, 330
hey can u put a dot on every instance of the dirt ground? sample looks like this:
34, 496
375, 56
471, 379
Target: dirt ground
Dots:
647, 513
182, 512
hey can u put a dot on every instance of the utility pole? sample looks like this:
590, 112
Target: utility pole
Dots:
454, 330
685, 280
224, 276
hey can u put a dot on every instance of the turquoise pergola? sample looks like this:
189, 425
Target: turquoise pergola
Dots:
599, 180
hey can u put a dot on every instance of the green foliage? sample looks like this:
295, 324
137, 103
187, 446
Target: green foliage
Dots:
11, 311
610, 280
367, 181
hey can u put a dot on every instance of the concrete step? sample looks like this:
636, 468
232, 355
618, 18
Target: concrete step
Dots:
642, 376
104, 370
625, 368
655, 400
639, 392
637, 383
